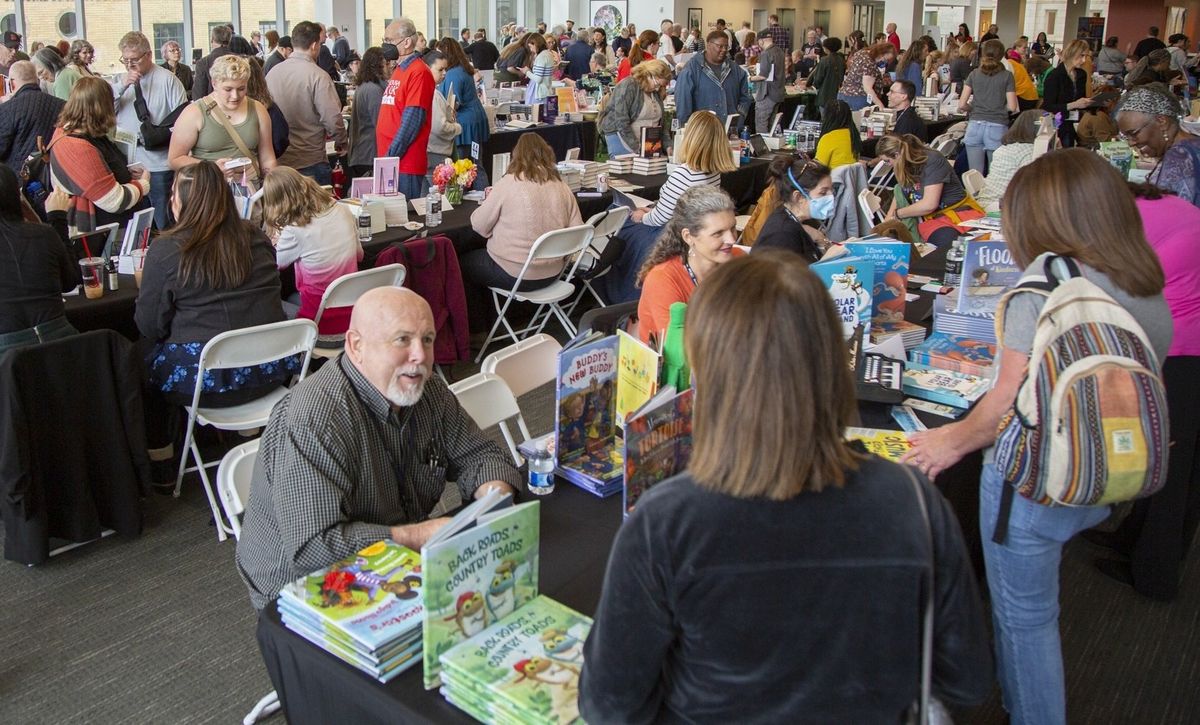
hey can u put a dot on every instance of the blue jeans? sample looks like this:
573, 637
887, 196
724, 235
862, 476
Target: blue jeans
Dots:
319, 172
412, 186
615, 145
620, 285
160, 197
1022, 576
981, 139
856, 103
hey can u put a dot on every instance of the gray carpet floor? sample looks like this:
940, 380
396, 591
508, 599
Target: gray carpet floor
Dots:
159, 630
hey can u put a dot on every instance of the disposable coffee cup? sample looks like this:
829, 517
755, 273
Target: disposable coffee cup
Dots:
92, 269
139, 261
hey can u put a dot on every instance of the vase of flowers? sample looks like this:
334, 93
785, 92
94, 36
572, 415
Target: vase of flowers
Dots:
451, 177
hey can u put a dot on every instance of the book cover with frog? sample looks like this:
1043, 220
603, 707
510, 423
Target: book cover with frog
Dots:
476, 577
525, 667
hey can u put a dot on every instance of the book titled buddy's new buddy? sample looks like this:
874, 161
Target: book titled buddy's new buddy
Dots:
479, 568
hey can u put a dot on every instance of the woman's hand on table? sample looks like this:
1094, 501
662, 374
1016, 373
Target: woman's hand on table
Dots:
935, 450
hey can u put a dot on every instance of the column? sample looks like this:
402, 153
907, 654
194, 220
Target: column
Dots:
1010, 16
1075, 11
907, 15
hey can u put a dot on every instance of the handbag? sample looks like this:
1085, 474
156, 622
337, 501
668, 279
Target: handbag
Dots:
927, 710
154, 135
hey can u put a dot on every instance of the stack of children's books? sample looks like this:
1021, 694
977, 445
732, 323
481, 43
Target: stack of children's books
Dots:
970, 311
523, 669
911, 334
650, 166
950, 352
366, 609
974, 325
887, 261
658, 442
948, 387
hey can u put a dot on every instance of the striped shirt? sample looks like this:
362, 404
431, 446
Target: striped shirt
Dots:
680, 180
339, 466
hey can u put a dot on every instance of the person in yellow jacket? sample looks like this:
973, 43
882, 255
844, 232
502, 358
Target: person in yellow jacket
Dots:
1027, 94
840, 143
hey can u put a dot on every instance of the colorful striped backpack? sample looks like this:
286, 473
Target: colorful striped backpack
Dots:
1089, 426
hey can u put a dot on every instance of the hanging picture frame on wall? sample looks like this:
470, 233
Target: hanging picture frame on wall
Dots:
695, 19
612, 15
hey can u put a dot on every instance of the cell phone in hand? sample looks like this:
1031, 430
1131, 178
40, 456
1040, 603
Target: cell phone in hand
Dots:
136, 169
237, 163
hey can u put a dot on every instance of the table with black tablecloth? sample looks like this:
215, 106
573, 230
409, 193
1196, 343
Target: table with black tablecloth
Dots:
933, 129
113, 311
745, 183
561, 137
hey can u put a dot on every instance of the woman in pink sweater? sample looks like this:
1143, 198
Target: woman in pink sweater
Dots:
1159, 530
530, 200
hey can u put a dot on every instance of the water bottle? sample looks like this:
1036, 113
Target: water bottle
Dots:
364, 225
433, 207
541, 470
954, 264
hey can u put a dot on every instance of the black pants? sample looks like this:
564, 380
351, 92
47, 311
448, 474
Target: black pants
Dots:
1160, 529
1026, 105
479, 272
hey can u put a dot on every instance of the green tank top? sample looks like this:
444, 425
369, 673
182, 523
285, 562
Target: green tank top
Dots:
214, 142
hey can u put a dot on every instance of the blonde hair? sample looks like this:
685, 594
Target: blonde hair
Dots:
704, 146
1075, 49
290, 198
643, 72
782, 318
230, 67
911, 152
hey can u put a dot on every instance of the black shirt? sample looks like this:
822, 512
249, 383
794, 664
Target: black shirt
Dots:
781, 230
35, 269
1146, 46
483, 54
907, 121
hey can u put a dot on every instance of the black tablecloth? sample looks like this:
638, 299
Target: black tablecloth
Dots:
561, 138
577, 530
745, 184
933, 130
113, 311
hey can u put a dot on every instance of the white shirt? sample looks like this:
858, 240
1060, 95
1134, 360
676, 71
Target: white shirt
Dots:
163, 93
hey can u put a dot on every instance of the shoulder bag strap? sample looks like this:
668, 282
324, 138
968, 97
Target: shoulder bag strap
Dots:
237, 139
927, 617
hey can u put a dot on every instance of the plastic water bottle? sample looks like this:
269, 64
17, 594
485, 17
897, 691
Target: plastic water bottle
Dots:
433, 207
954, 264
364, 225
541, 470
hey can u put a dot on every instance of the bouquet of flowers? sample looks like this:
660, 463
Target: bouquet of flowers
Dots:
454, 175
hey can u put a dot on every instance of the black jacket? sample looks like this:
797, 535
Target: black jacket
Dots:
907, 121
1059, 90
183, 73
72, 461
724, 609
782, 231
29, 113
202, 84
483, 54
35, 269
169, 311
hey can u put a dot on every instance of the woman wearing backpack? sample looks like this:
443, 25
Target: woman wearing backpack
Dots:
1110, 249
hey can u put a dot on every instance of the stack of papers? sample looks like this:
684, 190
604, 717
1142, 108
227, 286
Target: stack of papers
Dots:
395, 207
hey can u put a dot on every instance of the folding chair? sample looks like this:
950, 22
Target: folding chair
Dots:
946, 145
868, 203
233, 486
558, 244
607, 223
344, 292
525, 365
881, 178
236, 349
489, 402
974, 183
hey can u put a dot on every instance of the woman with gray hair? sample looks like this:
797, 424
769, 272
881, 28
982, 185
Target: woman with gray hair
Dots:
1148, 118
79, 60
699, 238
172, 55
48, 64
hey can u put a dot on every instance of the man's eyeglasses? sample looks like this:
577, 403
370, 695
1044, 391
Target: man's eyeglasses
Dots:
1131, 135
720, 46
130, 62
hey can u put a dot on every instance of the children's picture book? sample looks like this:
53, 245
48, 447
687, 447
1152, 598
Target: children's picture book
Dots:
944, 411
952, 352
977, 325
365, 601
652, 143
889, 444
525, 668
637, 374
477, 576
658, 443
849, 281
889, 287
386, 175
948, 387
910, 333
566, 100
550, 109
988, 272
586, 419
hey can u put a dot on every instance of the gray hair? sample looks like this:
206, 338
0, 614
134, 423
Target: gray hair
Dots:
169, 45
48, 59
220, 35
692, 208
134, 40
558, 30
405, 28
583, 35
600, 58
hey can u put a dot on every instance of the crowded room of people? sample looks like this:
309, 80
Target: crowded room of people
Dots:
591, 362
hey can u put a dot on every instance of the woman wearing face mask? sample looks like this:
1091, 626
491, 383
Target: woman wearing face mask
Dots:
698, 239
203, 131
805, 189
